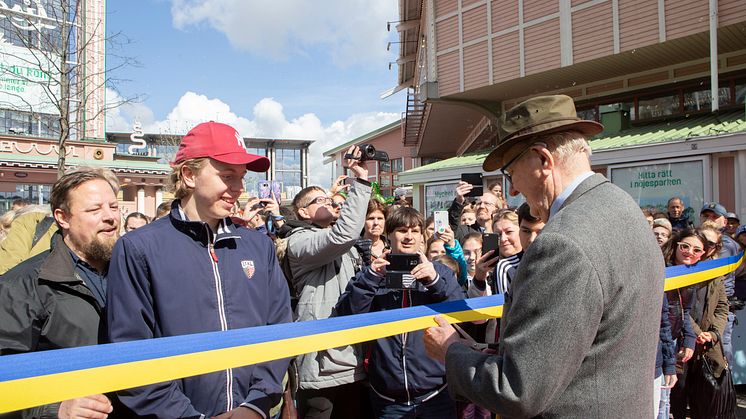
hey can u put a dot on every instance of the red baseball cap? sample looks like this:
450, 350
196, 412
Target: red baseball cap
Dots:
220, 142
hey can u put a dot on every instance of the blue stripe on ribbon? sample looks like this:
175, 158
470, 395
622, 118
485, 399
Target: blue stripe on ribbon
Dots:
34, 364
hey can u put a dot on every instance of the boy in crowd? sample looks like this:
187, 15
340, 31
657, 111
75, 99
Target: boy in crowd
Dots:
195, 271
404, 381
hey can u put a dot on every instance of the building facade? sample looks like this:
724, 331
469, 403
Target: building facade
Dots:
645, 69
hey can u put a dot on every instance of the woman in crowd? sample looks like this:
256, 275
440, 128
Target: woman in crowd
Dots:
509, 247
445, 244
375, 222
698, 313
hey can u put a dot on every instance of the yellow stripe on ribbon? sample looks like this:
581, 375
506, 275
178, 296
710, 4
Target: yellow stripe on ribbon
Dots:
51, 376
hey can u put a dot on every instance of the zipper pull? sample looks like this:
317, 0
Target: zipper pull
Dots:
212, 252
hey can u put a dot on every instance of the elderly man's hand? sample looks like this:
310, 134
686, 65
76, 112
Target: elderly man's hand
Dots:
439, 338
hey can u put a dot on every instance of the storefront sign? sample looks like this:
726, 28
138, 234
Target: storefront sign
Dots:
652, 185
137, 138
7, 146
439, 197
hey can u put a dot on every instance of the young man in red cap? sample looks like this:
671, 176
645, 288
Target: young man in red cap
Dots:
195, 271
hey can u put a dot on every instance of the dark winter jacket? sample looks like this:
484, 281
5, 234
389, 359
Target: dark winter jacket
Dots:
176, 277
46, 305
399, 368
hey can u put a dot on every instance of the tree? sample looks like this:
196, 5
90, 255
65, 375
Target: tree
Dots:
52, 66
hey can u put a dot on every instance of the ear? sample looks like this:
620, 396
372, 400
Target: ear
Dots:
62, 218
547, 159
303, 213
188, 176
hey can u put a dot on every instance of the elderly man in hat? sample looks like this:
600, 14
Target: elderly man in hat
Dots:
580, 324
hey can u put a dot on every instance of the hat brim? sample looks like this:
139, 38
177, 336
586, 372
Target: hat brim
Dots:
252, 161
494, 160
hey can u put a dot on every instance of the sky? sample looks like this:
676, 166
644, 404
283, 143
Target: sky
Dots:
272, 69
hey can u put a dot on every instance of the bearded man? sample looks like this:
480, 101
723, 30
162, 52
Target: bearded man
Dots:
56, 299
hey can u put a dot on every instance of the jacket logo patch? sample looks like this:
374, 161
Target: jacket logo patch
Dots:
248, 268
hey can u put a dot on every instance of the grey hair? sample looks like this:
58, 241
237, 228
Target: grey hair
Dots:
565, 144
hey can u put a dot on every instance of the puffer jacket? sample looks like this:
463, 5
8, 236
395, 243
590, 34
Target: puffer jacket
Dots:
19, 245
322, 261
399, 369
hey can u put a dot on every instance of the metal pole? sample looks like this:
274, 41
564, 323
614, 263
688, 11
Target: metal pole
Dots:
715, 103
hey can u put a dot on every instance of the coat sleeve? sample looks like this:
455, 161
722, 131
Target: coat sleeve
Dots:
454, 214
22, 316
358, 297
689, 327
131, 316
561, 283
446, 287
720, 315
667, 344
310, 250
266, 382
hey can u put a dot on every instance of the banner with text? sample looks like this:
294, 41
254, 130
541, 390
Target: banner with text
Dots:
653, 184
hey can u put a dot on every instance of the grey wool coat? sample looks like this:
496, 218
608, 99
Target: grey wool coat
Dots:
580, 325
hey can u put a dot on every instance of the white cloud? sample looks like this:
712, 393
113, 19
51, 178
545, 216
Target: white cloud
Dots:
352, 31
268, 120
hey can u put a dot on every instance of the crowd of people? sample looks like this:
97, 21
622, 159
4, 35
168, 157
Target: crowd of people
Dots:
78, 273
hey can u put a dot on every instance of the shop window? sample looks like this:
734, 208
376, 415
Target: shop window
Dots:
701, 100
397, 165
385, 166
658, 106
287, 159
740, 92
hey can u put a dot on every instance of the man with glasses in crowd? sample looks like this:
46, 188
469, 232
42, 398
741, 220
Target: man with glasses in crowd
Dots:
485, 208
717, 213
579, 331
322, 260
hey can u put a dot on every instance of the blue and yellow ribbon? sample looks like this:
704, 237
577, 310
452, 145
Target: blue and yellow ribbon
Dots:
33, 379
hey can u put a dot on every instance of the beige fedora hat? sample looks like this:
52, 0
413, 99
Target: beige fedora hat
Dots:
538, 115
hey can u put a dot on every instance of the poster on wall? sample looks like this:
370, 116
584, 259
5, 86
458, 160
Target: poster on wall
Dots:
28, 78
653, 185
439, 197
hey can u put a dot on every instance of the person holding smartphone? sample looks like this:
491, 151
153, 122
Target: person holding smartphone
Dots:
485, 207
403, 379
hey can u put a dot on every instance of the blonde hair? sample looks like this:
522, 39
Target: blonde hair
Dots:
177, 185
505, 214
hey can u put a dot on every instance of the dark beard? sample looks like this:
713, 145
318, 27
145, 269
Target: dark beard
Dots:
98, 250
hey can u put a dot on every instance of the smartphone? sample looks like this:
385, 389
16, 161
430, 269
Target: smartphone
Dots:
277, 190
476, 180
440, 219
398, 272
264, 189
490, 242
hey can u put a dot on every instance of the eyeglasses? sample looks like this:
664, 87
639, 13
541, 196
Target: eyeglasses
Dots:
686, 247
504, 169
319, 200
486, 204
